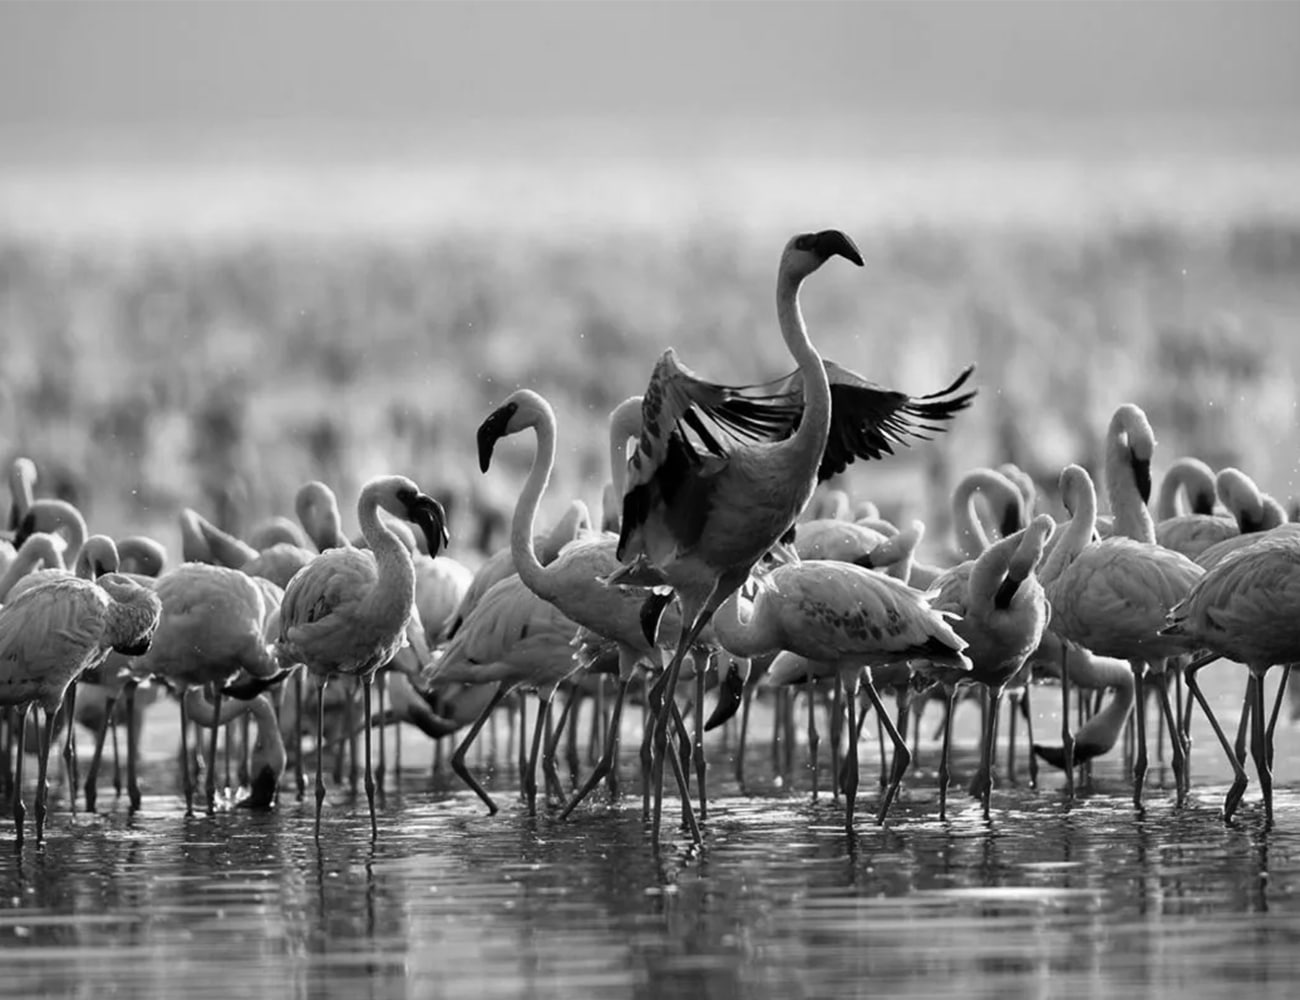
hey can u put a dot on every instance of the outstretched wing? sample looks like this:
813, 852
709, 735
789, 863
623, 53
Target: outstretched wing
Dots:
869, 420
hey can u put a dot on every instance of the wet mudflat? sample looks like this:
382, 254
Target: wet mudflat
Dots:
1051, 898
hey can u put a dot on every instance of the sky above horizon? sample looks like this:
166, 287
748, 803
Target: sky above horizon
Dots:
63, 65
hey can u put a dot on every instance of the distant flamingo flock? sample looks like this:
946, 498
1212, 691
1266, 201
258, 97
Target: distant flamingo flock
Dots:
727, 558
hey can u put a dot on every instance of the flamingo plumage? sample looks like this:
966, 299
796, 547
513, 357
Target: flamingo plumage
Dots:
50, 635
721, 473
346, 612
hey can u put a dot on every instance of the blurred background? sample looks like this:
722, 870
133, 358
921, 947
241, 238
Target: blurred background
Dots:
244, 245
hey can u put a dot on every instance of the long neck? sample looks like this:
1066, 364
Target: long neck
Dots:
814, 425
1073, 537
750, 636
624, 424
527, 565
396, 584
1132, 519
1194, 480
991, 567
971, 537
39, 548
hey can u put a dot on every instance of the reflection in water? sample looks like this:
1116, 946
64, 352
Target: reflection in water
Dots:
1088, 899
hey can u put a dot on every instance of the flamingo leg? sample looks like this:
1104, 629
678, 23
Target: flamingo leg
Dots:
1259, 749
610, 754
70, 744
369, 778
1013, 710
902, 756
747, 702
300, 706
320, 749
880, 740
850, 777
380, 682
1243, 720
539, 729
132, 748
210, 781
458, 757
554, 788
523, 744
117, 764
572, 712
984, 776
1277, 708
697, 748
1140, 740
354, 737
1239, 773
837, 728
245, 778
945, 775
1178, 756
92, 772
20, 752
1067, 738
186, 777
1029, 736
810, 691
42, 772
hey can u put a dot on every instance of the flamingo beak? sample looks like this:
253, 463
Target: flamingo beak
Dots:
731, 692
430, 517
833, 243
492, 430
1142, 473
262, 793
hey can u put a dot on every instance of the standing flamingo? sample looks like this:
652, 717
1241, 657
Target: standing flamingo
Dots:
346, 611
704, 504
1244, 609
51, 634
1112, 597
1001, 613
847, 618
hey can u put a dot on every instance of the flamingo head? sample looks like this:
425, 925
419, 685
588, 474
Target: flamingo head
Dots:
522, 409
808, 251
428, 515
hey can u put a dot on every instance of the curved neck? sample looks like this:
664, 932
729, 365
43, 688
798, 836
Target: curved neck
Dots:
39, 548
1132, 519
625, 423
1001, 494
1074, 536
744, 637
814, 425
1194, 480
527, 565
396, 581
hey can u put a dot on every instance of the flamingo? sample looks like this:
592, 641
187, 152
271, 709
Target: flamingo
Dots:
37, 551
1002, 611
1192, 479
1111, 597
1243, 609
268, 755
212, 627
703, 504
1099, 734
1191, 534
573, 580
51, 634
512, 637
346, 612
50, 516
624, 426
847, 618
141, 555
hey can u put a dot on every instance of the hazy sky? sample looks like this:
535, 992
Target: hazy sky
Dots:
189, 62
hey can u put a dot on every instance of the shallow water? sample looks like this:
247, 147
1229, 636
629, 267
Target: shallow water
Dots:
1088, 899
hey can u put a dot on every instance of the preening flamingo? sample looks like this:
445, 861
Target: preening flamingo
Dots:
1244, 609
141, 555
1112, 597
346, 611
50, 635
1001, 612
1191, 479
721, 473
41, 550
51, 516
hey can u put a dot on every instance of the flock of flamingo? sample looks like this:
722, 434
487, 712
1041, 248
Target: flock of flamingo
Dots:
720, 553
